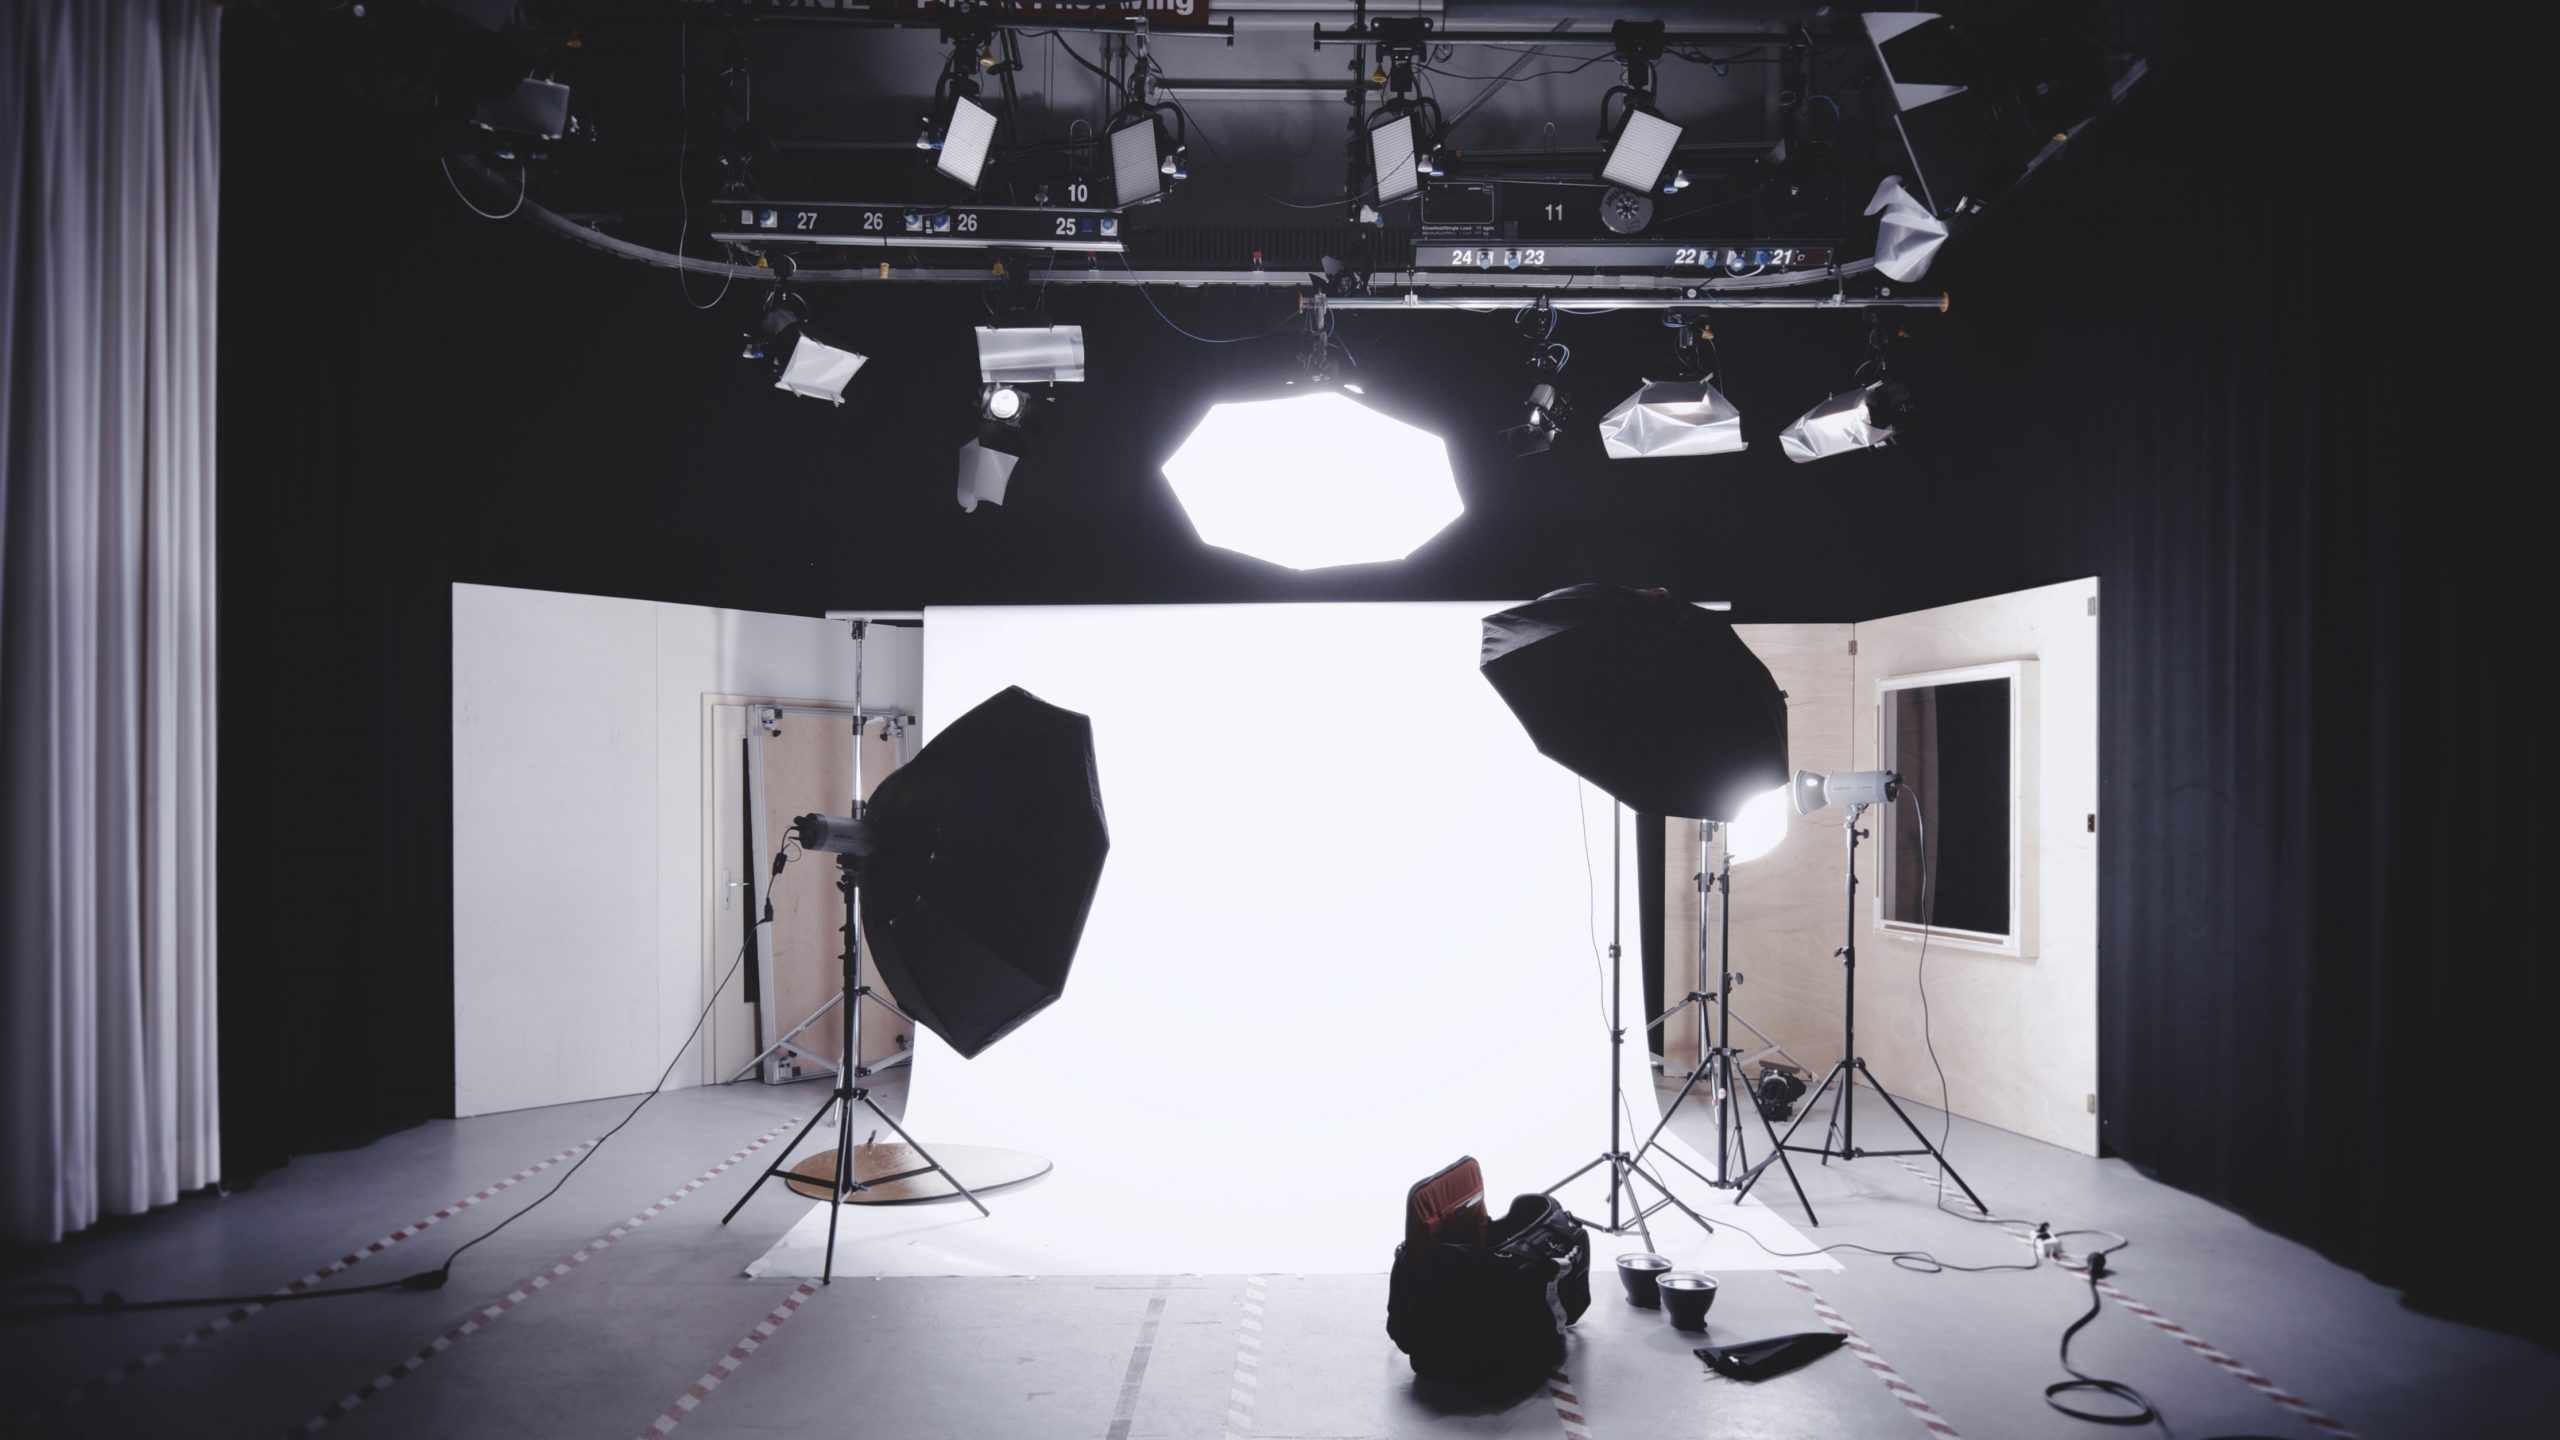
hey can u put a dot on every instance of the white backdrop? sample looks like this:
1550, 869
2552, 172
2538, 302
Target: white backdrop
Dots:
1346, 934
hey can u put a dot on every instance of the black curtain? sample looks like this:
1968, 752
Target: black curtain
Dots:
2172, 362
2175, 366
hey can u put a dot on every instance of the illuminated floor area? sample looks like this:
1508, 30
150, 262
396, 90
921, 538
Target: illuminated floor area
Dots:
642, 1325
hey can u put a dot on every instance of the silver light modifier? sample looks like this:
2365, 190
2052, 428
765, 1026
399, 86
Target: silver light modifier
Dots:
1030, 354
1672, 417
1846, 422
1844, 787
984, 474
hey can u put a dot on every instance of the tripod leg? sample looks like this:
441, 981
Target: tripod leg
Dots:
1673, 1108
1576, 1175
1622, 1169
1803, 1113
1934, 1152
1832, 1141
1778, 1152
844, 1177
928, 1158
1685, 1165
1676, 1202
1741, 1151
778, 1161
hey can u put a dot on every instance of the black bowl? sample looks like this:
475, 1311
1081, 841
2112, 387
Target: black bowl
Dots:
1686, 1298
1637, 1270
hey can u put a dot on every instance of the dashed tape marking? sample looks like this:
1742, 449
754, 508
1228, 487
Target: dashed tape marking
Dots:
1245, 1385
490, 1314
727, 1365
1568, 1407
1894, 1384
171, 1349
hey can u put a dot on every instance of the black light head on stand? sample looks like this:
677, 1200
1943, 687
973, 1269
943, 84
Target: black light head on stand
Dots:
836, 835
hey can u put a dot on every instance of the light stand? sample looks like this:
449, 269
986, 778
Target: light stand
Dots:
1841, 1139
849, 1090
850, 1071
1721, 1060
1624, 1169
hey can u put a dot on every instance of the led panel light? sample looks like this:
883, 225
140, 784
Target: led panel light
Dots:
1391, 154
1313, 480
1136, 164
1643, 148
965, 141
1672, 417
818, 370
1030, 354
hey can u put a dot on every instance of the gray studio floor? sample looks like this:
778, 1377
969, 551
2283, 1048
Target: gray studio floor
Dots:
657, 1333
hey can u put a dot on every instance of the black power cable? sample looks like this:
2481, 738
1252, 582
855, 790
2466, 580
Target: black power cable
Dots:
111, 1301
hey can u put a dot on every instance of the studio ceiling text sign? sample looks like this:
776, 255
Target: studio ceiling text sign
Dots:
1159, 14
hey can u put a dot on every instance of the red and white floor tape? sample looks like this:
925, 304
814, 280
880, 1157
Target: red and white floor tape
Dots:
1900, 1388
497, 1310
1245, 1385
727, 1365
242, 1314
1568, 1407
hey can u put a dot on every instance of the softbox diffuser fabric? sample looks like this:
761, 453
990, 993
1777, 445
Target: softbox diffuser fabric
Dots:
992, 842
1648, 697
1344, 935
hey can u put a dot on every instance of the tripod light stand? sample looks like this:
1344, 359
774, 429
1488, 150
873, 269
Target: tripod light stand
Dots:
1753, 836
974, 865
1627, 1210
1661, 705
818, 833
1854, 791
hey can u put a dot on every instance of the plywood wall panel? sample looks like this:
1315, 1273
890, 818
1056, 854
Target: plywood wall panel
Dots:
1786, 917
2018, 1034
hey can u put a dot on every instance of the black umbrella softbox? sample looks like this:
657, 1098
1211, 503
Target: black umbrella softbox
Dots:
1653, 700
991, 843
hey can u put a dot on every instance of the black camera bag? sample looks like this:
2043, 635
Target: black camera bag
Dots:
1478, 1300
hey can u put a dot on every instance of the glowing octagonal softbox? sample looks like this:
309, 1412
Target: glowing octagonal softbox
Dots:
1313, 480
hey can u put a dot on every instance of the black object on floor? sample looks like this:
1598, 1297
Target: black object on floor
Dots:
1638, 1271
1777, 1355
1687, 1296
1481, 1301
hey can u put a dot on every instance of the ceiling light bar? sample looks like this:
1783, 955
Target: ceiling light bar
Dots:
1443, 35
896, 225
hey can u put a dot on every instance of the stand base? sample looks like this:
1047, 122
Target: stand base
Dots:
1623, 1173
1724, 1062
898, 1174
840, 1181
1840, 1139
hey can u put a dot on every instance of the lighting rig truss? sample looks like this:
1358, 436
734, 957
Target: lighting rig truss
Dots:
1483, 231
